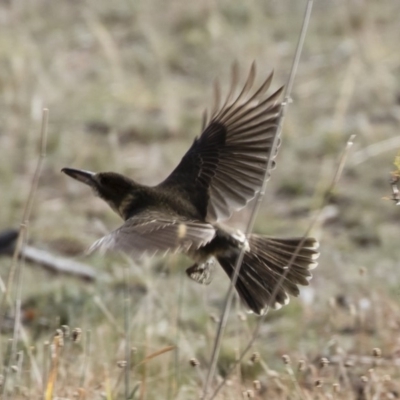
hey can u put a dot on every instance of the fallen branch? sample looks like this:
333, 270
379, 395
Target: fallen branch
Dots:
54, 264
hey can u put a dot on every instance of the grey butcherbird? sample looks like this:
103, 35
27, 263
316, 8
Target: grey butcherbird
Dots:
221, 172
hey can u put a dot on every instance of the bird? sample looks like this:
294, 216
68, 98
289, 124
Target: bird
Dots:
222, 171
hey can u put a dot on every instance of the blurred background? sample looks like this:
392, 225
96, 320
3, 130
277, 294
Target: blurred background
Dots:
126, 83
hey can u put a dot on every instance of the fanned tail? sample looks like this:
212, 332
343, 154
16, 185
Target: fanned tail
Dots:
265, 263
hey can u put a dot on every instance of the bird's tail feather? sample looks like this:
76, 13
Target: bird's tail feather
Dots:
265, 263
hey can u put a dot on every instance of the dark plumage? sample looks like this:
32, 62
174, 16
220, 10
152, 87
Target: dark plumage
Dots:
220, 173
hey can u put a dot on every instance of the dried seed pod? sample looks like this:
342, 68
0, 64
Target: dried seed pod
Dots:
336, 387
349, 364
66, 330
242, 316
58, 338
248, 394
377, 352
194, 362
76, 334
286, 359
255, 357
301, 365
323, 362
214, 318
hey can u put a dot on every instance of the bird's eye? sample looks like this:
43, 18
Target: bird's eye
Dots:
101, 180
105, 181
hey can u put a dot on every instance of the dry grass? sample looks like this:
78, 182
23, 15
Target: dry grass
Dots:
126, 83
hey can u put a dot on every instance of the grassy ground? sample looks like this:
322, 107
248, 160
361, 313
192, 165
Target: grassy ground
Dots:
126, 83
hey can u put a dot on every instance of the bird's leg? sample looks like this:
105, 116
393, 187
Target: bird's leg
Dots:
202, 272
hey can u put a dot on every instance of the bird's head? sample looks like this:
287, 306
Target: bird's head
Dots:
117, 190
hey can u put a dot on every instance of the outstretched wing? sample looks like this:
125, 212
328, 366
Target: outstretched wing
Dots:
152, 232
224, 168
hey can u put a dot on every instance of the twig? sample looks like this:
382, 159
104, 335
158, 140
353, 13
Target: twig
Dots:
229, 295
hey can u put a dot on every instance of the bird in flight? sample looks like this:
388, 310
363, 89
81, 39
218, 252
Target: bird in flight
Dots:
220, 173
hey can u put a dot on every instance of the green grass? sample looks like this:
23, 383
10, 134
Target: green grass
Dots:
126, 83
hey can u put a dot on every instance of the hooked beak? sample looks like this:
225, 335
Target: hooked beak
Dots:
80, 175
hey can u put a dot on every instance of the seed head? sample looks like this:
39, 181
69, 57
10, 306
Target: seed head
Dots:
376, 352
66, 330
194, 362
255, 357
76, 334
324, 361
58, 338
349, 364
214, 318
242, 316
248, 394
286, 359
301, 366
336, 387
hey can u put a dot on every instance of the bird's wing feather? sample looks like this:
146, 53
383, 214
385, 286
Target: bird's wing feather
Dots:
152, 232
224, 168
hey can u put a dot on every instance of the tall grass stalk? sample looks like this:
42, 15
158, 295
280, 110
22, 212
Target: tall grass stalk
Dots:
127, 329
15, 271
257, 204
325, 198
